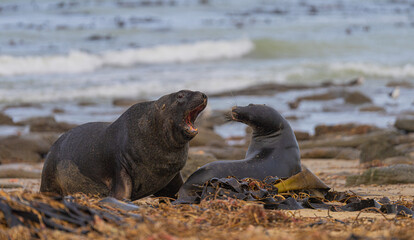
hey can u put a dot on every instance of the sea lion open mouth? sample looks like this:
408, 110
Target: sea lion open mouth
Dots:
190, 118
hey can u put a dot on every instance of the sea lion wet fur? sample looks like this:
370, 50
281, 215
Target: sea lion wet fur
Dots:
273, 151
139, 154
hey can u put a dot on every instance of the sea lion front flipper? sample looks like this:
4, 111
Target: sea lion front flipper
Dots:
123, 185
172, 187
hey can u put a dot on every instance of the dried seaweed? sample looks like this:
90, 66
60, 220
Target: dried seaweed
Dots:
265, 192
27, 215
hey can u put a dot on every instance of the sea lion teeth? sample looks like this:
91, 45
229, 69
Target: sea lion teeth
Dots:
139, 154
191, 116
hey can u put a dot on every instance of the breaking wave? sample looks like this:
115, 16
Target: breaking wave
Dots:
78, 61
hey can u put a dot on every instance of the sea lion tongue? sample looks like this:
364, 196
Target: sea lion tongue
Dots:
190, 118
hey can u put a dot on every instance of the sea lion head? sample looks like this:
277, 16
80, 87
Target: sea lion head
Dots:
261, 118
178, 111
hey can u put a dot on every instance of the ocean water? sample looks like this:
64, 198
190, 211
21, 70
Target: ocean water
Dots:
58, 53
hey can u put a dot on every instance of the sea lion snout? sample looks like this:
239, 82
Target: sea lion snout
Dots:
240, 114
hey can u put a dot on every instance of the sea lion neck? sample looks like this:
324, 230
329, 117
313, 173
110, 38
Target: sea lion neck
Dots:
155, 125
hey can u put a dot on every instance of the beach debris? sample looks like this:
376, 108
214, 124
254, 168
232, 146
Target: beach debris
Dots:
304, 180
303, 190
250, 189
34, 215
115, 203
41, 211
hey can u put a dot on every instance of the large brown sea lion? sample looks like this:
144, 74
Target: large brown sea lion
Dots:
139, 154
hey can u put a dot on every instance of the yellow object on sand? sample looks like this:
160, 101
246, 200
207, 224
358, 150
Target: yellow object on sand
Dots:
301, 181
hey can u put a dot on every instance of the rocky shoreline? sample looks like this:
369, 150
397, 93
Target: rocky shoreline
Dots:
370, 145
363, 159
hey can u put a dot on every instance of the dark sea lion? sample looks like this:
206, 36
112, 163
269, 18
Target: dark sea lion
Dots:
139, 154
273, 151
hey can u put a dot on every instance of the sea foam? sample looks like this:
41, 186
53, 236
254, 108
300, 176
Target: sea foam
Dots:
78, 62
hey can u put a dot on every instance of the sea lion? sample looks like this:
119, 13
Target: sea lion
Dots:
139, 154
273, 151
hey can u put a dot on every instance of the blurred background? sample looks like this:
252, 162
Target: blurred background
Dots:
87, 60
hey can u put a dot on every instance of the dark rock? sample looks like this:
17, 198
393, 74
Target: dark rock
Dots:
379, 149
206, 137
357, 98
405, 123
27, 148
97, 37
404, 84
316, 97
344, 129
58, 110
301, 136
46, 124
400, 173
331, 152
86, 103
372, 108
294, 104
5, 120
